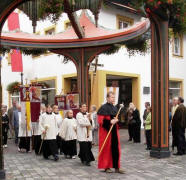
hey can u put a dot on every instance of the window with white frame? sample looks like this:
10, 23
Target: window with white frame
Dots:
177, 46
48, 91
14, 97
124, 22
175, 89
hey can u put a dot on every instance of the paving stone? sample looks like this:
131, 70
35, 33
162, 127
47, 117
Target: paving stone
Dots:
134, 159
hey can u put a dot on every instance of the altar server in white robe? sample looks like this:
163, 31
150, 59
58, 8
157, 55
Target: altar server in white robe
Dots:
37, 131
25, 129
84, 136
68, 133
48, 125
59, 122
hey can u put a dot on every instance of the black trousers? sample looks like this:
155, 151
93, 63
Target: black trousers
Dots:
137, 133
130, 131
37, 143
179, 138
85, 153
70, 148
16, 130
5, 135
59, 144
24, 143
49, 148
148, 134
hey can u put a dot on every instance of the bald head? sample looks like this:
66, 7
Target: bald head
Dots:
175, 101
14, 103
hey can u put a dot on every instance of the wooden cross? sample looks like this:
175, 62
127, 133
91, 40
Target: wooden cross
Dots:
96, 65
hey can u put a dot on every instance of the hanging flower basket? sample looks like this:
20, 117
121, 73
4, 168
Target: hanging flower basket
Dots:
173, 11
13, 87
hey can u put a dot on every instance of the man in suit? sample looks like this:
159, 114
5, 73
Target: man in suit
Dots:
178, 127
14, 120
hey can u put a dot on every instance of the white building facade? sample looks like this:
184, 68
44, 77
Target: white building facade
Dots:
131, 74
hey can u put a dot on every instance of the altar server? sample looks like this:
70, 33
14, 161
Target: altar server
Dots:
84, 135
48, 125
25, 129
59, 122
37, 131
68, 132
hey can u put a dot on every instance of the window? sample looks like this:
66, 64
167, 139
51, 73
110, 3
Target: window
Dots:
50, 30
124, 22
14, 97
178, 45
175, 89
67, 24
48, 91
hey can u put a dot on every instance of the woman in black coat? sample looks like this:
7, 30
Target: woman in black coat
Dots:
136, 124
5, 126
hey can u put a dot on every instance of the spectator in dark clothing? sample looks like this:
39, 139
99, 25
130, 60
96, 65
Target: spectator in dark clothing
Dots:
14, 120
5, 126
136, 124
130, 123
178, 127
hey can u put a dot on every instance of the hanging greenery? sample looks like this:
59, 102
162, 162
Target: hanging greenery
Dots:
13, 87
172, 10
138, 45
112, 50
25, 51
53, 9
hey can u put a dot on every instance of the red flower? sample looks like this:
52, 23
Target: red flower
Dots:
148, 10
169, 1
159, 3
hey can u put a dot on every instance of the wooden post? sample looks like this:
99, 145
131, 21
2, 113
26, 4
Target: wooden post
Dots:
160, 87
2, 171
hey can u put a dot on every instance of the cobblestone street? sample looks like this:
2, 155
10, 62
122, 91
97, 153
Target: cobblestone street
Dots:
135, 160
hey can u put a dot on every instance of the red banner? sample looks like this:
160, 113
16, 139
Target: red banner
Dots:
16, 56
16, 61
13, 21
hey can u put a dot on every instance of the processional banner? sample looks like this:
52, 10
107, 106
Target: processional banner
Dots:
30, 101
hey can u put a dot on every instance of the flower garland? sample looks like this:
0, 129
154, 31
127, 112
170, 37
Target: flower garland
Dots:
13, 87
25, 51
174, 11
51, 9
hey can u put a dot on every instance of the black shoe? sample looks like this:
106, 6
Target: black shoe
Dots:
83, 162
56, 158
87, 164
178, 154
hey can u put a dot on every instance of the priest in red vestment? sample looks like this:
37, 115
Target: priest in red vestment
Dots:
111, 153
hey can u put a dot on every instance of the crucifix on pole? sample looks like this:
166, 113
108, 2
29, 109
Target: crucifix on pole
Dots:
95, 65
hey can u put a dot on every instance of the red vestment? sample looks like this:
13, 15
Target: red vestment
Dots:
106, 157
